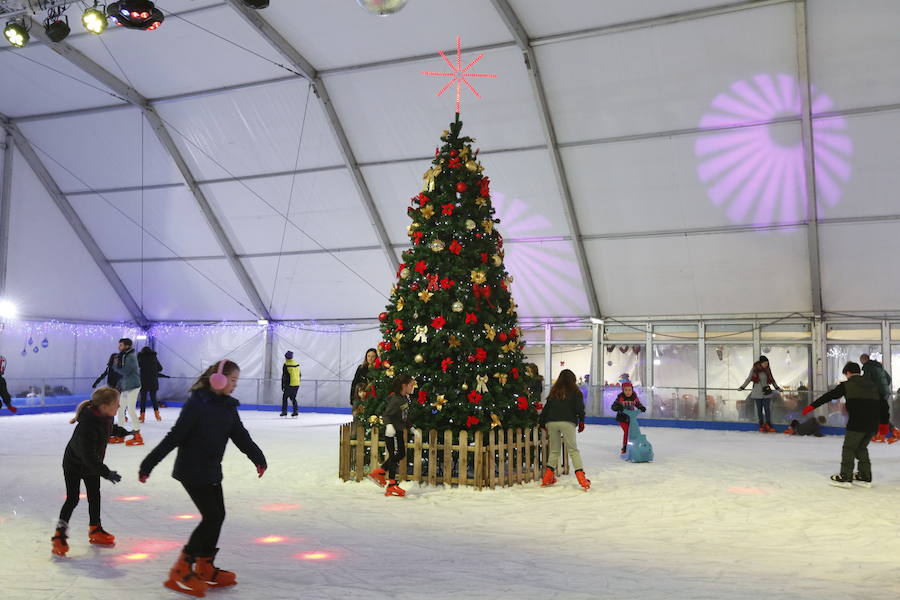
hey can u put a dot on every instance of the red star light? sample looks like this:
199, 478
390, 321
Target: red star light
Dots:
458, 74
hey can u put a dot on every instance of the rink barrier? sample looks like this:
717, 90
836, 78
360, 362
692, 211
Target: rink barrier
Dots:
480, 459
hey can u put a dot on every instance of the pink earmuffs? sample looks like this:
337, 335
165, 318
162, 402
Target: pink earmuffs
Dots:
218, 380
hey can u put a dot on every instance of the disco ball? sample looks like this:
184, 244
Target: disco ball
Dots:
382, 8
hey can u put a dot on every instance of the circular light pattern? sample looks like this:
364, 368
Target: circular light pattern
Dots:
8, 310
16, 34
757, 170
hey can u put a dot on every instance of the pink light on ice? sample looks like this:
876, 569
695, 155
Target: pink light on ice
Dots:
756, 172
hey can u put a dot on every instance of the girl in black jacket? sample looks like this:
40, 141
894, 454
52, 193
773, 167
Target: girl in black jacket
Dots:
83, 461
361, 377
396, 422
207, 421
151, 371
562, 413
626, 400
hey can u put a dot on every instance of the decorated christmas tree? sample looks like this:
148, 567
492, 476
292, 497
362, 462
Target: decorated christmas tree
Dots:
451, 320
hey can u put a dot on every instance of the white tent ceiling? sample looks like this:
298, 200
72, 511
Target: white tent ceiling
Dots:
212, 180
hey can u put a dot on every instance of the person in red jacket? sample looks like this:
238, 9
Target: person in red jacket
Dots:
83, 461
626, 400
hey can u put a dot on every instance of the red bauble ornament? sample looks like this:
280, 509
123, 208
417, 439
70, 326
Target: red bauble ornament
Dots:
414, 287
514, 372
382, 316
484, 257
539, 406
471, 358
454, 152
461, 187
502, 336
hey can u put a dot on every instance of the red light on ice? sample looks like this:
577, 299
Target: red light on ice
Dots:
185, 517
271, 539
314, 556
135, 557
279, 507
157, 546
748, 491
131, 498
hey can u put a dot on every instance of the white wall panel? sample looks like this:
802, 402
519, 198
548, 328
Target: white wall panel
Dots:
186, 352
101, 150
325, 205
353, 284
546, 279
860, 266
540, 19
37, 81
50, 273
342, 33
252, 131
392, 112
665, 77
853, 47
170, 215
754, 272
865, 175
180, 57
752, 175
174, 291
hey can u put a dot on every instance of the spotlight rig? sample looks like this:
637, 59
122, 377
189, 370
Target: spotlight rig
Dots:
94, 19
135, 14
57, 29
16, 33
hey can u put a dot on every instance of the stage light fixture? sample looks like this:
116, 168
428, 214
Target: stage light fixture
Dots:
16, 33
256, 4
8, 310
135, 14
56, 25
94, 20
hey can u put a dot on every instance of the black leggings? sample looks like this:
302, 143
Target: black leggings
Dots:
211, 504
143, 397
290, 391
74, 475
396, 447
4, 393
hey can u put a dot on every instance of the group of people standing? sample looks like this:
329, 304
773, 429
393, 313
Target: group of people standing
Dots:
136, 376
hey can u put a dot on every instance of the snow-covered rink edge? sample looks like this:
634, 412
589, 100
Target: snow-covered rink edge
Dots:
716, 515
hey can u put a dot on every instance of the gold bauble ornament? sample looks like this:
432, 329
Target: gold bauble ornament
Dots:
497, 260
436, 245
471, 165
400, 303
457, 306
419, 358
470, 224
465, 386
404, 273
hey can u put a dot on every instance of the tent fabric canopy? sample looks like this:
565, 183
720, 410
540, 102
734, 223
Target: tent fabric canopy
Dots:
680, 129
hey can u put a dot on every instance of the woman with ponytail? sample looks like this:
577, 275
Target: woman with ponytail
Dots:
207, 421
83, 461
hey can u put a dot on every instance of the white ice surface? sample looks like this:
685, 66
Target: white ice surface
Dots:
717, 515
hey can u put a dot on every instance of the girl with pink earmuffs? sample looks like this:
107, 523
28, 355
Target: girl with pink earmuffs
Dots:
208, 420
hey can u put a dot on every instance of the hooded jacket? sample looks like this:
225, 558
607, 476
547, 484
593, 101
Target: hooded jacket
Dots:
150, 369
290, 373
87, 447
126, 366
206, 423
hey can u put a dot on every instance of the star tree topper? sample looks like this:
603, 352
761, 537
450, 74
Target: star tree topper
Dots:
459, 74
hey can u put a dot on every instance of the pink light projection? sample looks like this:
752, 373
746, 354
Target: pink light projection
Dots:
748, 491
758, 171
272, 539
185, 517
540, 264
316, 556
279, 507
131, 498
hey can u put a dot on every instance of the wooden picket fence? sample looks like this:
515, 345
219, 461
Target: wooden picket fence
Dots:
497, 458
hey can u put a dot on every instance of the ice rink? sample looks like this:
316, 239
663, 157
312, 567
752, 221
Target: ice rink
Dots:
717, 515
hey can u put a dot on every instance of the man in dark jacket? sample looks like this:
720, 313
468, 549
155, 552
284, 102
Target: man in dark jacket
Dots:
863, 410
4, 393
112, 378
874, 370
